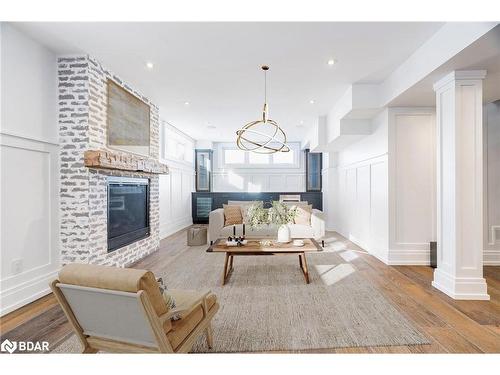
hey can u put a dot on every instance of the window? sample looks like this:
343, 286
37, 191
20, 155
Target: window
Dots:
203, 165
181, 151
231, 156
234, 156
254, 158
283, 157
174, 145
313, 171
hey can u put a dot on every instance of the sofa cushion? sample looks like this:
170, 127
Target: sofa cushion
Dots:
267, 231
232, 215
301, 231
114, 278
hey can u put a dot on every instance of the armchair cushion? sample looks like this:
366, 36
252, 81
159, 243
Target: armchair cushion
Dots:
113, 278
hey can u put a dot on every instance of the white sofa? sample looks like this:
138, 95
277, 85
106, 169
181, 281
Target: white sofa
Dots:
216, 228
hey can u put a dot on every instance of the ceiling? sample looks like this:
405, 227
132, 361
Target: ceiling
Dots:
216, 66
482, 54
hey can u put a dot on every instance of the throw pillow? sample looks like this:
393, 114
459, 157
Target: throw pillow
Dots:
245, 209
245, 206
168, 298
303, 215
232, 215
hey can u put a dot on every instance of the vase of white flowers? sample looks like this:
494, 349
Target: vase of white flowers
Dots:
279, 214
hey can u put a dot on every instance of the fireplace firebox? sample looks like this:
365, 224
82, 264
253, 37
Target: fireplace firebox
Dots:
128, 211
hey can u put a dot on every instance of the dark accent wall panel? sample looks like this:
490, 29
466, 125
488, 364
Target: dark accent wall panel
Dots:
203, 203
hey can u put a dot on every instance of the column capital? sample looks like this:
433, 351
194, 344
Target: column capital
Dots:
458, 75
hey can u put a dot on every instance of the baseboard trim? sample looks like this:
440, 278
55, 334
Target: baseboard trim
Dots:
460, 288
380, 257
408, 258
13, 298
491, 257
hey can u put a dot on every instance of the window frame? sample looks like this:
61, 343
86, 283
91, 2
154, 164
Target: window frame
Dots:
222, 147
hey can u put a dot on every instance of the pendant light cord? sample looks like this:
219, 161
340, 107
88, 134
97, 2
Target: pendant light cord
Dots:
265, 86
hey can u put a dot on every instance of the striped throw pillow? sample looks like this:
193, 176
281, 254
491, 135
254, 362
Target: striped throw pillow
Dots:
168, 298
232, 215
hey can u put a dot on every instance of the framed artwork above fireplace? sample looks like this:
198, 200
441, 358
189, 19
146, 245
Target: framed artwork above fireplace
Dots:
128, 121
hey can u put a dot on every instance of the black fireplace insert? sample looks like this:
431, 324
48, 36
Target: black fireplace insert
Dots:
128, 211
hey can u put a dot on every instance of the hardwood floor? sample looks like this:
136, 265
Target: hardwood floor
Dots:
452, 326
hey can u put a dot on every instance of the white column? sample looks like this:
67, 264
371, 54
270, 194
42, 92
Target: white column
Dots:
459, 272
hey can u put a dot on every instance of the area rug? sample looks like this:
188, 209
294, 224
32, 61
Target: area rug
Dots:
266, 305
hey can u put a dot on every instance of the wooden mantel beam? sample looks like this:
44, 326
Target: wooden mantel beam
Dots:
106, 159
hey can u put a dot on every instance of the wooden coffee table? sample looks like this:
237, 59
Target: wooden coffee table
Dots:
254, 247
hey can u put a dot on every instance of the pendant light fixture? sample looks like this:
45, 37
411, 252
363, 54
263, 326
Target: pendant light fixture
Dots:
262, 136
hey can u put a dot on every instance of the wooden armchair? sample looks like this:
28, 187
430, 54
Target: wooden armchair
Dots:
122, 310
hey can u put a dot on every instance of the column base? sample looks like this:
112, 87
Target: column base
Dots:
463, 288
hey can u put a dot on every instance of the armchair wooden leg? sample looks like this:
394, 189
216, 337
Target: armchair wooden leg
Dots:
210, 336
89, 350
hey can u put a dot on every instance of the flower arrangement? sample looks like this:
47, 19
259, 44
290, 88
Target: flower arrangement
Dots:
281, 214
278, 214
257, 215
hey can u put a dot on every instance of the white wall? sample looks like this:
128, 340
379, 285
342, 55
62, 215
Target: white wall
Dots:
412, 184
380, 192
177, 151
29, 169
252, 178
492, 183
356, 190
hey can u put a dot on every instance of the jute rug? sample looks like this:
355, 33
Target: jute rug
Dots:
266, 305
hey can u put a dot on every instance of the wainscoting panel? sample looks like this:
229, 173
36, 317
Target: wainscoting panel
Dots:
175, 199
412, 185
362, 204
491, 113
30, 218
379, 213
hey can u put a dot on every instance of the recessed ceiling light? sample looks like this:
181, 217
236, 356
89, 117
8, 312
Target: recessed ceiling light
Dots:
149, 65
311, 101
186, 103
331, 62
301, 122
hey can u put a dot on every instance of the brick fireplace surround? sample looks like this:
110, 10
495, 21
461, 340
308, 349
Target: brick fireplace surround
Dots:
82, 104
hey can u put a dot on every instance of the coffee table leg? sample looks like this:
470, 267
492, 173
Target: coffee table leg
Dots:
225, 269
228, 267
304, 266
300, 262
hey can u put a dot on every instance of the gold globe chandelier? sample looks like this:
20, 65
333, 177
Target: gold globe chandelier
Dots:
262, 136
